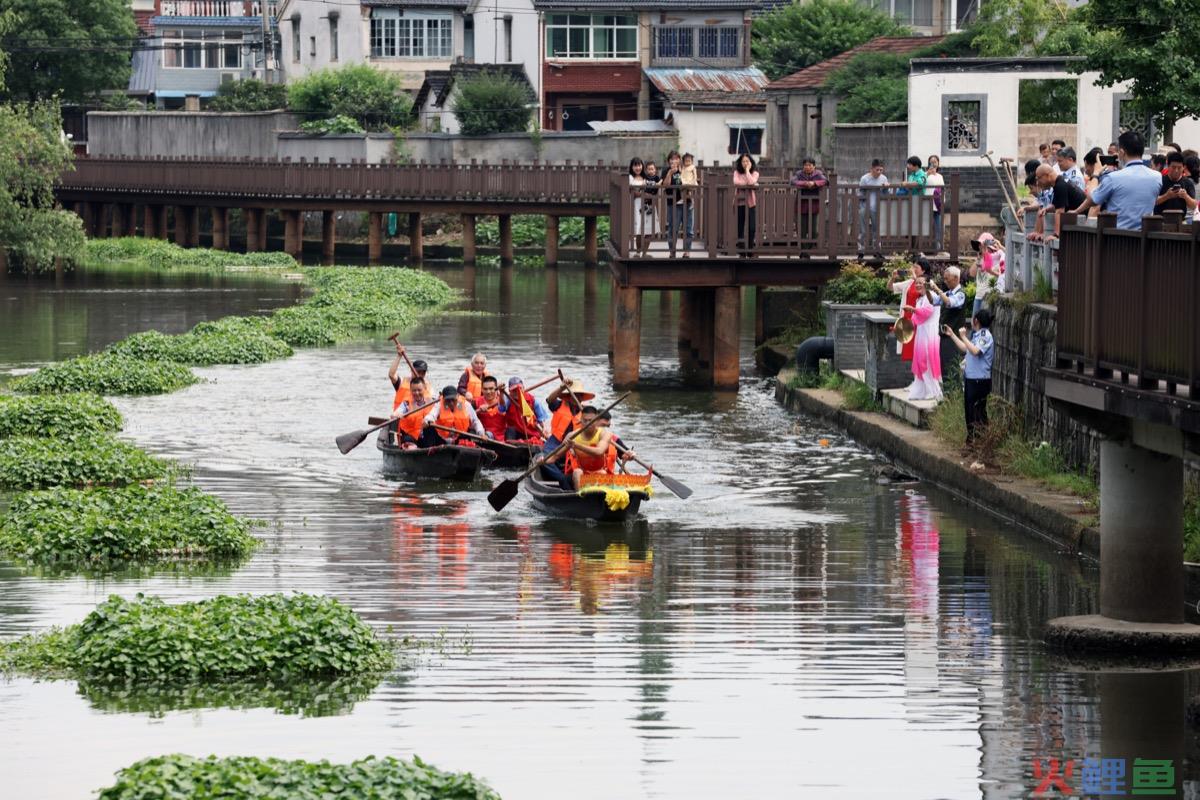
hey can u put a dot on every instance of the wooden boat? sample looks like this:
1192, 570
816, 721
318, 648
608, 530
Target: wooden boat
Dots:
449, 462
591, 502
517, 455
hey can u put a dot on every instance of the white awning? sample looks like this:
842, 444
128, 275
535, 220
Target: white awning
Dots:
746, 123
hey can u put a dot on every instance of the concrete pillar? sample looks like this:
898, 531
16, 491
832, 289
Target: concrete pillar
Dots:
293, 235
727, 320
506, 240
468, 239
118, 219
253, 242
1144, 711
131, 220
627, 335
150, 222
220, 228
416, 238
1141, 534
193, 226
181, 226
551, 241
590, 244
263, 215
375, 238
550, 308
697, 310
328, 237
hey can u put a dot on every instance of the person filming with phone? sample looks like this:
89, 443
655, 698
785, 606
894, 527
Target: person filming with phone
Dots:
1178, 190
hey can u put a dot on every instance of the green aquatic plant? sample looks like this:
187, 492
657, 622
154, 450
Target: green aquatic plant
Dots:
65, 415
229, 341
183, 777
107, 374
161, 255
29, 462
61, 527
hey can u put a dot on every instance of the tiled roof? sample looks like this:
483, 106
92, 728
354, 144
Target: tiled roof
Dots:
815, 76
711, 87
439, 83
718, 99
208, 22
642, 5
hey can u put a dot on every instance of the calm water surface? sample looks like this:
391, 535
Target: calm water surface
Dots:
796, 629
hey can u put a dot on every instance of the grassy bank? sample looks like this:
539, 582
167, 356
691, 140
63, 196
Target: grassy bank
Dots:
857, 395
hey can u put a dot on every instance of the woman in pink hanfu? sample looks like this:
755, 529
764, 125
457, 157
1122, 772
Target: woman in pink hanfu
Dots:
926, 363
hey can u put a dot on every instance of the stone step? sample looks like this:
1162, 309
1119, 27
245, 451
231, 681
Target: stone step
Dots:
914, 412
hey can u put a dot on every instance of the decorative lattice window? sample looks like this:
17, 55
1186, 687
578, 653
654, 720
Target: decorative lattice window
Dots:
964, 124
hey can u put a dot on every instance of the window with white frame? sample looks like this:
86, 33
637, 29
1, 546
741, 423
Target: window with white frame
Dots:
397, 34
598, 36
202, 49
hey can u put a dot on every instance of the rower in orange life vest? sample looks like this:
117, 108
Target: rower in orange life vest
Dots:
526, 418
401, 384
453, 412
564, 419
408, 430
470, 383
595, 450
487, 408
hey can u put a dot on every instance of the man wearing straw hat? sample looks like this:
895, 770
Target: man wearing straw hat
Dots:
563, 403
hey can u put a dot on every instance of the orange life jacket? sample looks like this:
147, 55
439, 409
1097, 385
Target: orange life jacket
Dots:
474, 383
522, 419
413, 423
458, 419
563, 421
403, 394
588, 463
490, 418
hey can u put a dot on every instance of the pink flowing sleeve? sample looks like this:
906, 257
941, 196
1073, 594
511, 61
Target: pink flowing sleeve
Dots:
922, 313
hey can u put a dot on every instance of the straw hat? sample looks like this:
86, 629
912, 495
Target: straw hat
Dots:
579, 392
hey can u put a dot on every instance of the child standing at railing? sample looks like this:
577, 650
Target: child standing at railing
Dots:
688, 176
650, 224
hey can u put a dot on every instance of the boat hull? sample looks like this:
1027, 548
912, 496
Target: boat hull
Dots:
447, 462
520, 456
558, 502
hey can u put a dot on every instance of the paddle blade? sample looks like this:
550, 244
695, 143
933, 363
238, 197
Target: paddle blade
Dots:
348, 441
503, 494
677, 488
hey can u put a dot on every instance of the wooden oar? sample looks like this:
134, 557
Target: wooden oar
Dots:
348, 441
677, 488
407, 360
467, 435
503, 494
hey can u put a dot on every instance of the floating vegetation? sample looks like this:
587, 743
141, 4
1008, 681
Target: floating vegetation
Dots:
234, 340
226, 638
183, 777
104, 526
162, 255
66, 415
30, 462
107, 374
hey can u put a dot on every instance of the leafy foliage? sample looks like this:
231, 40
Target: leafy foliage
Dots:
799, 35
333, 125
183, 777
65, 415
234, 340
492, 102
101, 35
226, 637
857, 284
372, 97
1027, 28
249, 94
28, 462
57, 527
530, 230
1047, 101
108, 374
158, 254
1151, 45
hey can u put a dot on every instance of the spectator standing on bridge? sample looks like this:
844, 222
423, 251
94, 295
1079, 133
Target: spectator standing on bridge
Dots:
1130, 192
672, 182
935, 187
650, 225
1064, 195
914, 178
745, 178
1069, 169
870, 187
637, 184
988, 270
809, 180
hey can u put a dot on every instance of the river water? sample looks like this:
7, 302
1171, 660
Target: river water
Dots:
796, 629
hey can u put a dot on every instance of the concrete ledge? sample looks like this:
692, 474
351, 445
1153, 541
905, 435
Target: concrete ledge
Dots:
1093, 632
914, 412
1060, 518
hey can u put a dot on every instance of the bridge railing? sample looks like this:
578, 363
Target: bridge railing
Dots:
785, 221
1127, 301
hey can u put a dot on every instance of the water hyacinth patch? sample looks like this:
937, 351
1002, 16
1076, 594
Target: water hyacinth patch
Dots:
205, 346
62, 527
229, 637
64, 415
158, 254
29, 462
107, 374
183, 777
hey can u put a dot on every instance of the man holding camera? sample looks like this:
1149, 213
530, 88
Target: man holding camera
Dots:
1178, 190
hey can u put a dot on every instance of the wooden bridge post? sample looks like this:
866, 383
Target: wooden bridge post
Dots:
375, 238
253, 242
726, 327
590, 244
506, 240
118, 220
261, 219
551, 240
293, 233
160, 224
150, 222
328, 237
220, 228
416, 238
468, 239
627, 335
193, 226
181, 226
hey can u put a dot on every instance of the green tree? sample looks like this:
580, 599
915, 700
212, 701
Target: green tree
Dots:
72, 49
1027, 28
799, 35
249, 95
372, 97
492, 102
1152, 45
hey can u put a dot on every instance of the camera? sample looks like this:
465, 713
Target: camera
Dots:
1108, 161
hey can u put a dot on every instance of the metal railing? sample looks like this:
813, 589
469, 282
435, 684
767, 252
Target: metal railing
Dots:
1127, 301
714, 219
213, 8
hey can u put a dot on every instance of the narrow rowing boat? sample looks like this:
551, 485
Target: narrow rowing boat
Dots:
512, 455
601, 503
449, 462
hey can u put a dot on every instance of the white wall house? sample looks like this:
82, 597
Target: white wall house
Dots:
505, 32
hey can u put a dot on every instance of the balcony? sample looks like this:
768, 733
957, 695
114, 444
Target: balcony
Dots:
215, 8
699, 46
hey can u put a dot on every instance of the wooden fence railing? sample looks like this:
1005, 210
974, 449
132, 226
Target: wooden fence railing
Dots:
1127, 301
716, 220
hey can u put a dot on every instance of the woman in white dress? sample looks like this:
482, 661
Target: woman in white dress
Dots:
637, 180
927, 359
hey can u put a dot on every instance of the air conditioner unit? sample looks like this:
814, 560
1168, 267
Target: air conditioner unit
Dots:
229, 77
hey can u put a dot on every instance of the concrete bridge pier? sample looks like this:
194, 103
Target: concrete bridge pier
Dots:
328, 237
551, 240
293, 233
254, 242
468, 239
220, 228
506, 241
627, 335
709, 326
131, 220
116, 219
187, 226
375, 238
416, 238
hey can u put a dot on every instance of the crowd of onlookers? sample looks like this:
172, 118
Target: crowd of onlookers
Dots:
918, 179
